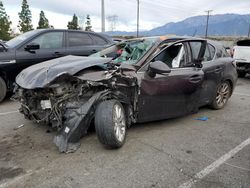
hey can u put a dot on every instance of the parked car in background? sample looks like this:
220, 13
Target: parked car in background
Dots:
44, 44
241, 54
137, 80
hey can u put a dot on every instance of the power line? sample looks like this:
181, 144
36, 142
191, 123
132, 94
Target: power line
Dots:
208, 14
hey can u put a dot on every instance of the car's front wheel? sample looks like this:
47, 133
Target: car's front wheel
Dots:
110, 123
223, 93
3, 89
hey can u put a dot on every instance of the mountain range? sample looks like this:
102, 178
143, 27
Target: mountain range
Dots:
219, 25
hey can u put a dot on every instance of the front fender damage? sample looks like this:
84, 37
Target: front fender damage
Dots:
67, 140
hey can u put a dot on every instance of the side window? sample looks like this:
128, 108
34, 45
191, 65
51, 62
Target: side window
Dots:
209, 53
225, 53
79, 39
173, 56
219, 53
50, 40
207, 56
195, 49
212, 51
98, 40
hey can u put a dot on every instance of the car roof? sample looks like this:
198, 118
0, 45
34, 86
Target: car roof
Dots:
107, 37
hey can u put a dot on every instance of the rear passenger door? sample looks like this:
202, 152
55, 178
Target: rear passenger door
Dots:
213, 68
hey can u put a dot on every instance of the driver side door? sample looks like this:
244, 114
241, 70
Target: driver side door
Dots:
51, 45
175, 94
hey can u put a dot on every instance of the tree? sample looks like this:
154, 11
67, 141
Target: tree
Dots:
88, 23
74, 23
4, 24
43, 21
25, 18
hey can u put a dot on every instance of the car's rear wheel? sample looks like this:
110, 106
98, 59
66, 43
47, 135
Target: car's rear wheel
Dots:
241, 74
3, 89
222, 95
110, 123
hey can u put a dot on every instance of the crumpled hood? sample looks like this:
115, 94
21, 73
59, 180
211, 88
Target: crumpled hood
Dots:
40, 75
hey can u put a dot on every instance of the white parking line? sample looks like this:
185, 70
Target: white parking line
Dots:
241, 94
6, 113
197, 177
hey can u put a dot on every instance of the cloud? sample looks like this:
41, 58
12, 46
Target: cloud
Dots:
152, 13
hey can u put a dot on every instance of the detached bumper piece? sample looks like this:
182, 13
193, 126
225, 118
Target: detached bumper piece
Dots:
77, 124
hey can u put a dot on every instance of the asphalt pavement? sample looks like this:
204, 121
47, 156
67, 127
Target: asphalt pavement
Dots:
182, 152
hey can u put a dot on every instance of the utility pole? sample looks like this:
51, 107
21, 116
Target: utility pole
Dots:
208, 14
248, 31
138, 11
103, 16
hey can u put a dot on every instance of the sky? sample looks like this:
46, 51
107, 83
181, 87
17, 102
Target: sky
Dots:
152, 13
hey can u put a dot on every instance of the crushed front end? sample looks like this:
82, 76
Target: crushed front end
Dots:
68, 103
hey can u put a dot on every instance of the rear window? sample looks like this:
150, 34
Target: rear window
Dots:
79, 39
98, 40
243, 43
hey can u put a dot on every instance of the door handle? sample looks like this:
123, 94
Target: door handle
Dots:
195, 78
94, 51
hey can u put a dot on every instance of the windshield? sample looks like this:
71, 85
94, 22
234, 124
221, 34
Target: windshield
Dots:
19, 39
128, 52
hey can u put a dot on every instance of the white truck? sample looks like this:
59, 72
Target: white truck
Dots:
241, 54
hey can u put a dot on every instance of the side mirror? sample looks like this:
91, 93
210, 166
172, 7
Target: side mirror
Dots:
32, 46
2, 49
158, 67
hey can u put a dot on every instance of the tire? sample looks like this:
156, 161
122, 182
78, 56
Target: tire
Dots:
223, 93
110, 123
3, 89
241, 74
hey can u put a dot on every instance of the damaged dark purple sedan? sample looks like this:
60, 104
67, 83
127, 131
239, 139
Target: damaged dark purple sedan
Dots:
138, 80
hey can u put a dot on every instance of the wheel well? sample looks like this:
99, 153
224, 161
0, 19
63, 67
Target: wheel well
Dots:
3, 76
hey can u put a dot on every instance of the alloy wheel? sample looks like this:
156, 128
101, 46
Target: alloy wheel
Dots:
223, 94
119, 123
